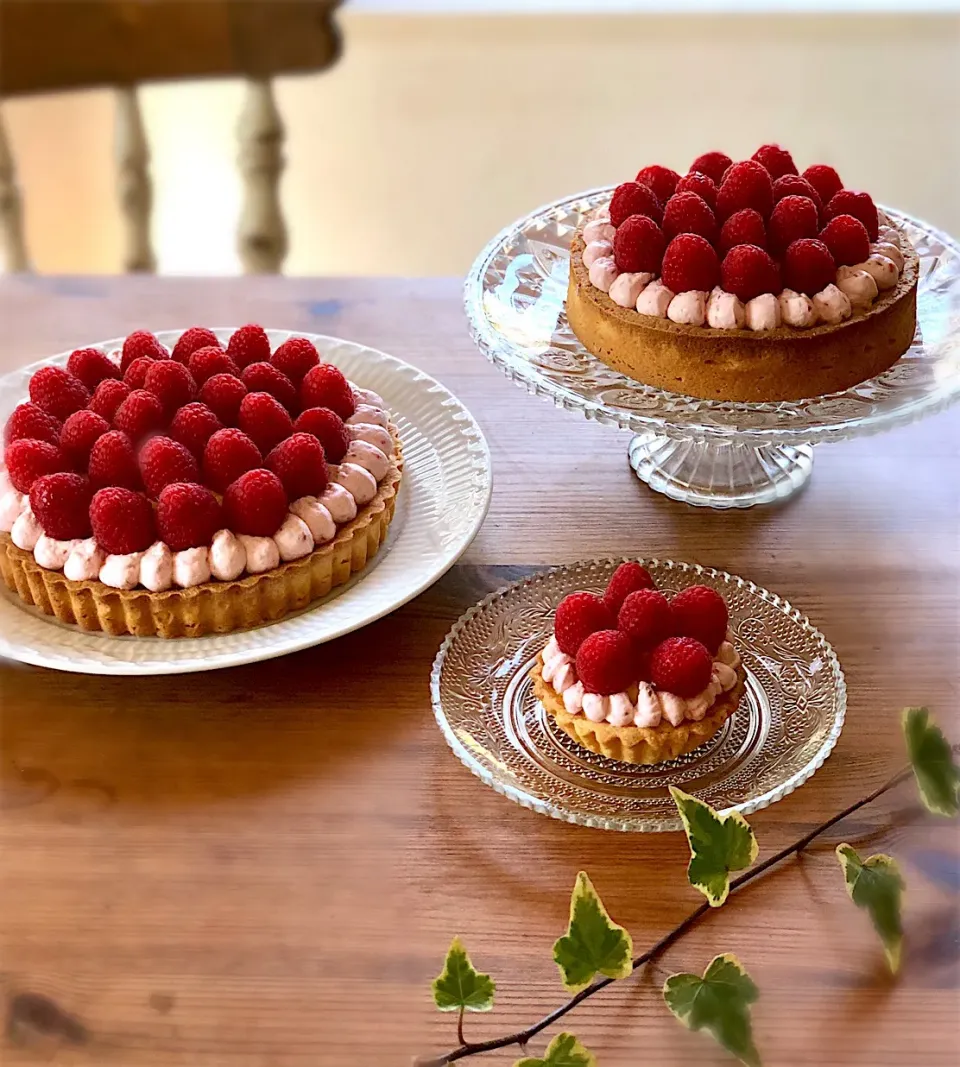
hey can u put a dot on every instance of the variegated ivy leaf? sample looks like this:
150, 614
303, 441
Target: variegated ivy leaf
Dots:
718, 1002
931, 757
563, 1051
593, 942
719, 844
876, 885
459, 987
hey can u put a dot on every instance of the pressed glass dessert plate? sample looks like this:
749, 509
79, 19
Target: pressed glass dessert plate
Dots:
787, 723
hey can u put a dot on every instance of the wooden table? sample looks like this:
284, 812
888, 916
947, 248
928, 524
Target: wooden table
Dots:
263, 867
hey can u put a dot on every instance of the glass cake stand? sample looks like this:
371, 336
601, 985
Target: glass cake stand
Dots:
703, 452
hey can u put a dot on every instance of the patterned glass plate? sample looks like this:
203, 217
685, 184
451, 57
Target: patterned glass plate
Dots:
787, 724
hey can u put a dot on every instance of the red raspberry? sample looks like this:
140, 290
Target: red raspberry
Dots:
328, 428
662, 180
294, 358
192, 339
141, 413
206, 362
325, 387
579, 615
229, 453
61, 503
264, 419
776, 159
681, 665
188, 515
794, 185
255, 504
714, 164
793, 217
701, 612
113, 462
79, 434
825, 180
808, 266
300, 464
688, 213
748, 271
249, 344
742, 228
194, 425
141, 343
164, 461
265, 378
172, 384
136, 373
626, 579
92, 367
607, 662
223, 394
109, 395
847, 239
57, 392
746, 184
632, 198
646, 618
690, 262
30, 420
28, 459
122, 521
701, 184
847, 202
638, 245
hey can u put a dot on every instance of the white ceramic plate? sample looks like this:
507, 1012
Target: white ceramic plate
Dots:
443, 499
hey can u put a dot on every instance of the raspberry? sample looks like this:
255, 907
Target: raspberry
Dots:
136, 373
646, 618
638, 245
681, 665
690, 262
223, 394
808, 266
141, 413
27, 460
794, 185
255, 504
194, 425
325, 387
79, 434
91, 366
61, 503
607, 662
30, 420
188, 515
742, 228
701, 184
164, 461
141, 343
662, 180
113, 462
249, 344
793, 217
122, 520
264, 419
714, 164
626, 579
294, 358
776, 159
206, 362
688, 213
579, 615
748, 271
847, 239
171, 383
192, 339
701, 612
300, 464
265, 378
109, 395
847, 202
825, 180
229, 453
57, 392
328, 428
632, 198
746, 184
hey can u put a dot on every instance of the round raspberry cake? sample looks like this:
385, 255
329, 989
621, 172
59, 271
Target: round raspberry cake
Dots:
743, 281
201, 490
636, 677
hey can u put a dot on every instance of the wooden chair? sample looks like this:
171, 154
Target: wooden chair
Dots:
55, 45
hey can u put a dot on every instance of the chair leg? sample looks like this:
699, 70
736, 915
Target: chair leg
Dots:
262, 233
11, 210
134, 187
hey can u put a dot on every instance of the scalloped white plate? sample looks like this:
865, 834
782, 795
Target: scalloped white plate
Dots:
443, 500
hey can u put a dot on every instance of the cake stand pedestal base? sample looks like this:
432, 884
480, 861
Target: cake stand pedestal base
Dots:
720, 474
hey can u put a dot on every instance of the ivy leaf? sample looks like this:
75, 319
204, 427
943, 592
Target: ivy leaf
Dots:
876, 885
719, 1002
563, 1051
719, 844
938, 777
593, 942
459, 986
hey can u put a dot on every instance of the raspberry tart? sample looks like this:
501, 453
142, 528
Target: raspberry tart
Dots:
743, 281
638, 677
206, 489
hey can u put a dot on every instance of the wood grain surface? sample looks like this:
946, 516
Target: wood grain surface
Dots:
263, 867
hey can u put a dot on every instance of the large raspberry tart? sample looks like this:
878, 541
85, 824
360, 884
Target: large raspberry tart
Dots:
204, 490
743, 281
